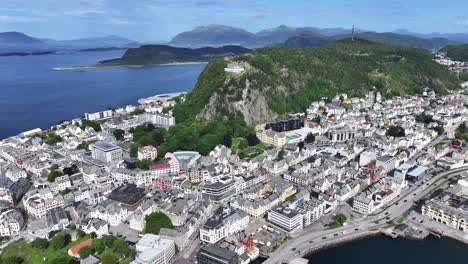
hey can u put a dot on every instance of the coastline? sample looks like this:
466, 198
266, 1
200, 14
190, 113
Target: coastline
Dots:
98, 66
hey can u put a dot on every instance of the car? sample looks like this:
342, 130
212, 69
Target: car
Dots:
405, 201
310, 242
335, 235
324, 237
356, 229
293, 249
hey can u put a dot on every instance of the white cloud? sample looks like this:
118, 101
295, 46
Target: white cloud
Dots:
18, 19
116, 21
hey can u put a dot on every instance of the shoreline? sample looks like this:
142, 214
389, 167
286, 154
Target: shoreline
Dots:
97, 66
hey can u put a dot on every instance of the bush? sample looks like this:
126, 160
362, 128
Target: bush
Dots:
40, 243
84, 252
59, 241
12, 260
108, 259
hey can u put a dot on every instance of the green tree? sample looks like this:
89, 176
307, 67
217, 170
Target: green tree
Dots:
118, 134
121, 247
65, 259
84, 252
98, 245
40, 243
143, 164
58, 241
12, 260
281, 154
108, 258
156, 221
134, 151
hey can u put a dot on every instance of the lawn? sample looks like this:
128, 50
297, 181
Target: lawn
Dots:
32, 255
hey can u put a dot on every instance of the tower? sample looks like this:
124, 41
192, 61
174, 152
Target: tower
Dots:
352, 33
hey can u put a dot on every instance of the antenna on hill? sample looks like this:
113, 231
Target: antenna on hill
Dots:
352, 33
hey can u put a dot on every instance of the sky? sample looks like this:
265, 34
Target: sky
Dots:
155, 20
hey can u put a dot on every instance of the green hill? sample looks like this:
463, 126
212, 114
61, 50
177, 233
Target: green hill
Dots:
457, 52
287, 79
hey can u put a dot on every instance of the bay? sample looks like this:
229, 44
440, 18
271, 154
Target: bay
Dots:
32, 94
385, 250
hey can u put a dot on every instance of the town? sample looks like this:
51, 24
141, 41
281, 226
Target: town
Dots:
347, 168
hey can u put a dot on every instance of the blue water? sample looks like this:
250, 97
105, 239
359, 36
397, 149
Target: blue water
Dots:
32, 94
384, 250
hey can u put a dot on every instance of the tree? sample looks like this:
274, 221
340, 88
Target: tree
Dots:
58, 241
40, 243
118, 134
134, 151
227, 140
121, 247
252, 139
54, 173
301, 145
395, 131
156, 221
310, 138
108, 259
98, 245
84, 252
207, 143
281, 154
143, 164
12, 260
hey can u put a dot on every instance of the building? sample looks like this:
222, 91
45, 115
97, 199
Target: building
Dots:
152, 249
234, 68
341, 135
99, 115
224, 223
11, 222
387, 162
270, 137
107, 152
220, 190
147, 153
286, 125
410, 172
213, 254
163, 120
455, 217
128, 195
285, 218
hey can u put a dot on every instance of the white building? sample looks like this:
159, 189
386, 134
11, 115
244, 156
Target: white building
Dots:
148, 153
107, 152
111, 212
99, 115
285, 218
152, 249
11, 222
224, 223
37, 206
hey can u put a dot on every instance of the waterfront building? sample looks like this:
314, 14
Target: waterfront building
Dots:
99, 115
455, 215
285, 218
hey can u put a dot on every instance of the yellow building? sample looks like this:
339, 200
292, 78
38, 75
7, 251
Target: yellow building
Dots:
454, 217
270, 137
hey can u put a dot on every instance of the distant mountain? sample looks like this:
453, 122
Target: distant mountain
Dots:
308, 40
457, 37
457, 52
17, 38
402, 40
213, 35
111, 40
159, 54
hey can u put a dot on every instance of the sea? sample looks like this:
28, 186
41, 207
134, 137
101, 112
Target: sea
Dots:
34, 95
385, 250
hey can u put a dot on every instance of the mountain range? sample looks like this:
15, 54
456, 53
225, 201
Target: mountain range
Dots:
215, 35
18, 38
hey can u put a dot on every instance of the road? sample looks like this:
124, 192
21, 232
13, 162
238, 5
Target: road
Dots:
308, 241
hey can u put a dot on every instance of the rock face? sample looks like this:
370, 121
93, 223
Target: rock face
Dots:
281, 80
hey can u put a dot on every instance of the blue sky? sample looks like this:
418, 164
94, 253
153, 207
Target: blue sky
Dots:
151, 20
